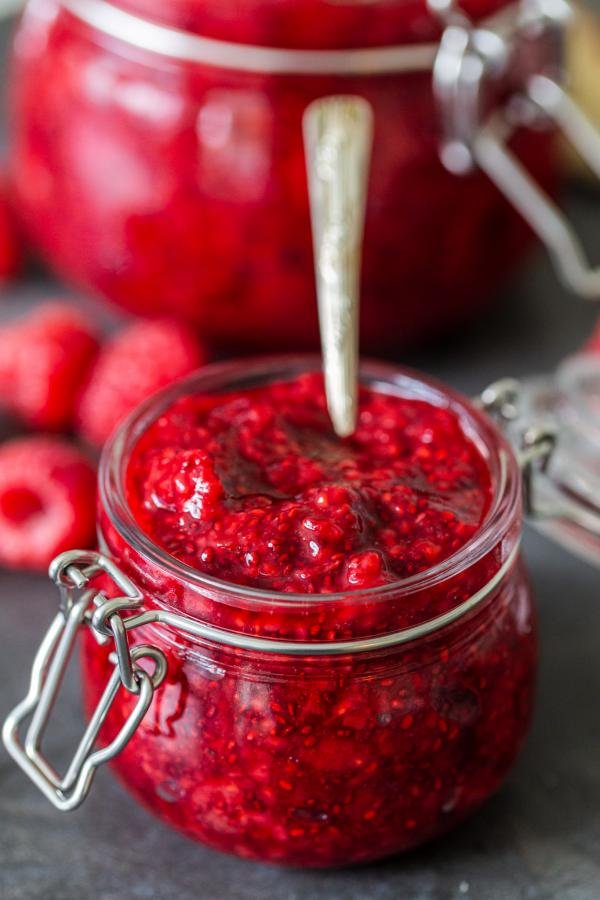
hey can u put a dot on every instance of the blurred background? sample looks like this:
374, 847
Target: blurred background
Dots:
154, 216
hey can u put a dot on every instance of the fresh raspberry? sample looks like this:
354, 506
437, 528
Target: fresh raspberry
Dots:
136, 362
44, 358
47, 501
11, 256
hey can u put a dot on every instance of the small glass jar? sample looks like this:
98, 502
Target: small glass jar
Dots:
157, 157
309, 730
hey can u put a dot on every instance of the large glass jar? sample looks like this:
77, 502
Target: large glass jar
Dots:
158, 161
315, 730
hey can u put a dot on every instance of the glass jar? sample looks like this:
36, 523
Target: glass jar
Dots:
157, 158
312, 730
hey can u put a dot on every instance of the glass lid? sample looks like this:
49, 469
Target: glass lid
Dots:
554, 424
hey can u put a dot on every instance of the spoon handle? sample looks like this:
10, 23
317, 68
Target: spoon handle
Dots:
338, 134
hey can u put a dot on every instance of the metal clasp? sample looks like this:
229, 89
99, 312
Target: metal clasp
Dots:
534, 446
81, 606
558, 465
476, 64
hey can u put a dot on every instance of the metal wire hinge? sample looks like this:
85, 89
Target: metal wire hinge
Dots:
476, 63
534, 446
82, 606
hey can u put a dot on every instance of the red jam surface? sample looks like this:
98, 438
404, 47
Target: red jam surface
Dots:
177, 187
254, 488
307, 760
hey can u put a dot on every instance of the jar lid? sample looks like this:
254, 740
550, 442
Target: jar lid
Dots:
563, 409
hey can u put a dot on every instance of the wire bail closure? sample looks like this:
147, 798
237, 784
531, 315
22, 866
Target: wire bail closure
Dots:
534, 445
473, 65
563, 508
72, 572
84, 606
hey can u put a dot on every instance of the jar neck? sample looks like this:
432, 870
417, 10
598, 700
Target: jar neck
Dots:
175, 628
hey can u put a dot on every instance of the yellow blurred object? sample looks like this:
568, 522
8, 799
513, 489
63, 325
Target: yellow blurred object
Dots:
583, 73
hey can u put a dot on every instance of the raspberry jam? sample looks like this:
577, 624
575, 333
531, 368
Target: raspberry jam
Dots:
253, 487
368, 680
180, 187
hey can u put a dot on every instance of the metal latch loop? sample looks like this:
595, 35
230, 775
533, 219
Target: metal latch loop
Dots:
74, 570
67, 792
534, 445
537, 447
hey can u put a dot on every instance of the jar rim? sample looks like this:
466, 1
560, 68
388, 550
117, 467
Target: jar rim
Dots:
494, 447
140, 32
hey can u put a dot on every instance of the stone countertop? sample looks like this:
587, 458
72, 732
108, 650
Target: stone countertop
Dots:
539, 838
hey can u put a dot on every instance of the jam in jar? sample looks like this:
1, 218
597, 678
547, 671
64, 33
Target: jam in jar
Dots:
157, 159
348, 629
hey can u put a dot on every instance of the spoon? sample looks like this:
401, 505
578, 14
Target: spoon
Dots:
338, 135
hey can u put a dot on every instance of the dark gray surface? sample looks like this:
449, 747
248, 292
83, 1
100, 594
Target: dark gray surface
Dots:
539, 838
